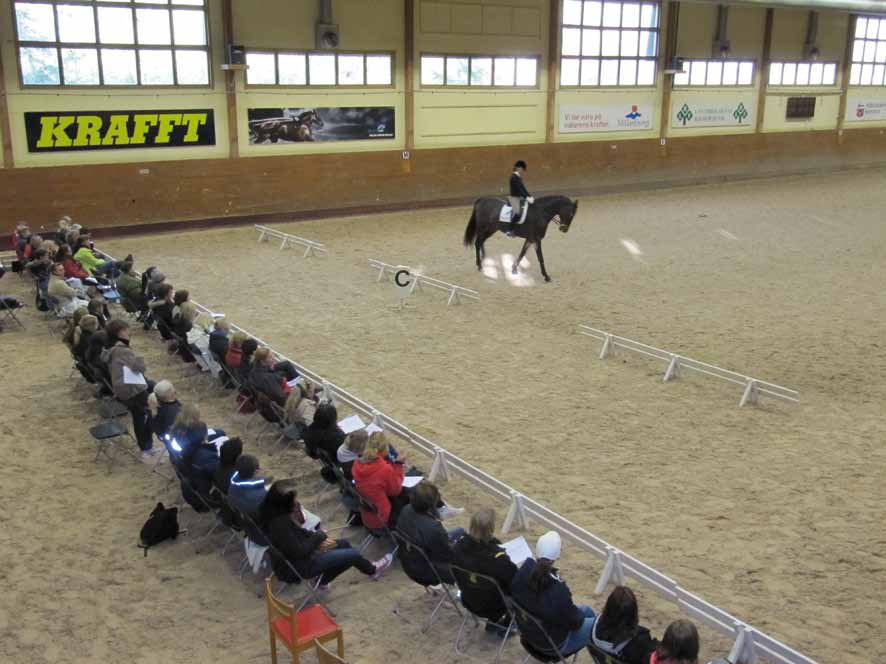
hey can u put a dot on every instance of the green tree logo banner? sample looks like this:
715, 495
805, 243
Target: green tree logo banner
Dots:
741, 113
685, 115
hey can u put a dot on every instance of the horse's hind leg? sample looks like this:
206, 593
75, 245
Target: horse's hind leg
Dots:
478, 245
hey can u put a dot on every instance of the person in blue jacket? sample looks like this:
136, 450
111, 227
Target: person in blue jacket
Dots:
538, 589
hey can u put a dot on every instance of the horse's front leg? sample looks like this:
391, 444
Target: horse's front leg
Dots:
526, 244
478, 245
541, 261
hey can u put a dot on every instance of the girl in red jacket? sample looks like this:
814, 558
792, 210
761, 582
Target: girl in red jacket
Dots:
381, 482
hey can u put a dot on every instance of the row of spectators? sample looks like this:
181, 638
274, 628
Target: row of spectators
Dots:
215, 474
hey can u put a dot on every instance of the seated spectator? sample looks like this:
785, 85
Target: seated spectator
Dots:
68, 336
98, 307
161, 311
377, 479
420, 523
189, 441
233, 356
182, 324
51, 248
247, 491
82, 338
479, 551
152, 280
679, 645
538, 589
323, 433
271, 378
617, 630
72, 267
69, 299
310, 552
164, 408
218, 339
21, 238
180, 297
301, 406
247, 349
130, 288
228, 455
39, 266
94, 359
92, 264
123, 364
351, 450
32, 244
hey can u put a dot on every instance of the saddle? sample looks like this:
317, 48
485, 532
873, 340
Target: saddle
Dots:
514, 210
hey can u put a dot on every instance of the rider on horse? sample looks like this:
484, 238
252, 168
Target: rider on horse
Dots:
518, 190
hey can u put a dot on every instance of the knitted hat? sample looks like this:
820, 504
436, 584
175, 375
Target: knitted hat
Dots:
548, 546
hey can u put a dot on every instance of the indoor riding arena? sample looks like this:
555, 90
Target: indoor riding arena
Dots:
332, 279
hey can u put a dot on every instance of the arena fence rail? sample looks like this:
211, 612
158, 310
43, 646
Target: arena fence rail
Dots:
753, 387
311, 248
749, 643
418, 280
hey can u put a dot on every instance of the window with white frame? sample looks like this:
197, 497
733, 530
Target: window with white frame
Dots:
609, 43
869, 52
802, 73
715, 73
322, 68
112, 42
479, 71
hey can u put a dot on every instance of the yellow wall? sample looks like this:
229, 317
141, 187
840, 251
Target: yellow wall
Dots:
285, 24
451, 117
22, 100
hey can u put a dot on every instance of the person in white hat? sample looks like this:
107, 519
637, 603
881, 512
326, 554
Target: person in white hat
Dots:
537, 588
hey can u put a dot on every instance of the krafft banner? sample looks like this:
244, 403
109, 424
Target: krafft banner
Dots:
576, 119
861, 109
296, 125
113, 130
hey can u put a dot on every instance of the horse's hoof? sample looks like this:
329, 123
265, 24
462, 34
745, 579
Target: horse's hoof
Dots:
547, 279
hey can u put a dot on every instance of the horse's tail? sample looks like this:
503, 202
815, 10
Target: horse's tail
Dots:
471, 230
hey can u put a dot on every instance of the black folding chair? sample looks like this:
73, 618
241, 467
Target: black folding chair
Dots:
411, 553
468, 583
104, 435
9, 311
528, 623
600, 656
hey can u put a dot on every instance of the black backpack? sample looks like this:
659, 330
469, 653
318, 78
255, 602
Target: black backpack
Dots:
160, 526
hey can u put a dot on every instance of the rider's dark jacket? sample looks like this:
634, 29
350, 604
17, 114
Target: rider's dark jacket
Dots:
518, 189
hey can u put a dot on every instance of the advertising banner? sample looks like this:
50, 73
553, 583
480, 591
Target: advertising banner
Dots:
296, 125
578, 119
861, 109
689, 112
113, 130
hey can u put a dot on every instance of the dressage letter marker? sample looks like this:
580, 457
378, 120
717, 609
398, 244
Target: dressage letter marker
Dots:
403, 274
676, 363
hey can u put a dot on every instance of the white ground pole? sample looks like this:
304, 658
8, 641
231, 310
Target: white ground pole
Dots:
265, 233
456, 292
753, 387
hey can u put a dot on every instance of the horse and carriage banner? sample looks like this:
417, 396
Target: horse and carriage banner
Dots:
605, 117
61, 131
294, 125
715, 111
860, 109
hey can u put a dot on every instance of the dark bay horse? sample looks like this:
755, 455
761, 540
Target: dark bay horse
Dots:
485, 222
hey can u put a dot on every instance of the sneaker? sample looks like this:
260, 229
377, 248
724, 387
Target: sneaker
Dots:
150, 456
381, 565
447, 512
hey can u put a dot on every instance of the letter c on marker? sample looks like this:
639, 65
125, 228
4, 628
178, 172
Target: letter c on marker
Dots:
397, 278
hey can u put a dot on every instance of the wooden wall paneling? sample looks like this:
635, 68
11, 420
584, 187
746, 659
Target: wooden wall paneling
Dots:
845, 67
763, 69
5, 127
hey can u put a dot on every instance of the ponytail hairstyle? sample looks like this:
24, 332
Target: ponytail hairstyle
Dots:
540, 578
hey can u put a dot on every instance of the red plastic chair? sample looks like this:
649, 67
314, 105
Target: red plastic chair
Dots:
298, 630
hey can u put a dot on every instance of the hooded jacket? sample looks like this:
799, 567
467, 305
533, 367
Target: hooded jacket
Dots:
296, 544
267, 381
116, 357
431, 536
87, 260
218, 343
635, 647
377, 481
553, 606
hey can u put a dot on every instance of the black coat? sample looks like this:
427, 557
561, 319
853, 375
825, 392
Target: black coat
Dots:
489, 559
518, 189
162, 422
265, 380
328, 440
296, 544
553, 606
218, 344
638, 649
428, 533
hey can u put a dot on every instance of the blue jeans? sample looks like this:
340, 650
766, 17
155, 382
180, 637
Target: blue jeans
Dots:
579, 638
329, 564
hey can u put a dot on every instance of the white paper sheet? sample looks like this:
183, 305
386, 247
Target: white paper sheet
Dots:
518, 550
298, 380
352, 423
131, 377
410, 481
372, 428
311, 520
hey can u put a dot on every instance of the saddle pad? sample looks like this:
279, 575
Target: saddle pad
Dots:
506, 212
